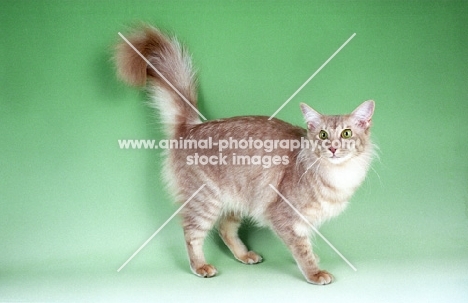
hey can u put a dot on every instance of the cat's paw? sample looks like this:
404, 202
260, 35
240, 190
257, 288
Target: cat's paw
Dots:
251, 258
205, 271
322, 277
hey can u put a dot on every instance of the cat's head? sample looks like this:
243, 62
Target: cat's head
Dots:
342, 137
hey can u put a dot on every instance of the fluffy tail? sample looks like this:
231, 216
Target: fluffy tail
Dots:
172, 87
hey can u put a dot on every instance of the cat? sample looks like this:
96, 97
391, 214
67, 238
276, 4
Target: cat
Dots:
238, 181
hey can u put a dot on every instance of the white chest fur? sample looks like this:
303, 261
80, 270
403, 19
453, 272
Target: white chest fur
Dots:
347, 176
344, 179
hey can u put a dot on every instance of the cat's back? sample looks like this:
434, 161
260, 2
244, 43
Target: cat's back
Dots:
245, 127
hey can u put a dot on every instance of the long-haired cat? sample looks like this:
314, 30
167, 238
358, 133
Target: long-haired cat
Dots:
238, 181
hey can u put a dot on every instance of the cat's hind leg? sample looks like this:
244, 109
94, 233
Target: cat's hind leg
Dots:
198, 219
229, 232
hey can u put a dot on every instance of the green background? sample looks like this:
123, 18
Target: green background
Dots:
74, 207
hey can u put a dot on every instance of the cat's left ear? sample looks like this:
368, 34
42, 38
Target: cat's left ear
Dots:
362, 115
312, 117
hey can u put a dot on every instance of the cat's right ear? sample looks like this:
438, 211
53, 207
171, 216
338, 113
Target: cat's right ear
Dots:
312, 117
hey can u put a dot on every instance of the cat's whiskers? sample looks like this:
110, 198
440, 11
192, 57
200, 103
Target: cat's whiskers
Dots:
300, 158
368, 161
309, 167
376, 155
378, 176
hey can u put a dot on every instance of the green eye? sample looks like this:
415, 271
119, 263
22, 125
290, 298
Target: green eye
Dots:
323, 135
346, 134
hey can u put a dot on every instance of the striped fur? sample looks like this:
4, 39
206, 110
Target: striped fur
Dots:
318, 182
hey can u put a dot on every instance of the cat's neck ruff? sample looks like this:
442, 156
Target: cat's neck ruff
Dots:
347, 175
344, 179
333, 183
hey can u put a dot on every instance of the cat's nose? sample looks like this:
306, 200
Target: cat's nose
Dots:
332, 149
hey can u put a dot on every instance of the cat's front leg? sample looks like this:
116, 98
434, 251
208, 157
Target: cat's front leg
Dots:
301, 248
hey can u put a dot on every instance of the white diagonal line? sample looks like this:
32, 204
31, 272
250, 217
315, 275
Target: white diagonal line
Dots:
313, 227
313, 75
162, 76
159, 229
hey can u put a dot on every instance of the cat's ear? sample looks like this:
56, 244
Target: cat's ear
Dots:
312, 117
362, 115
